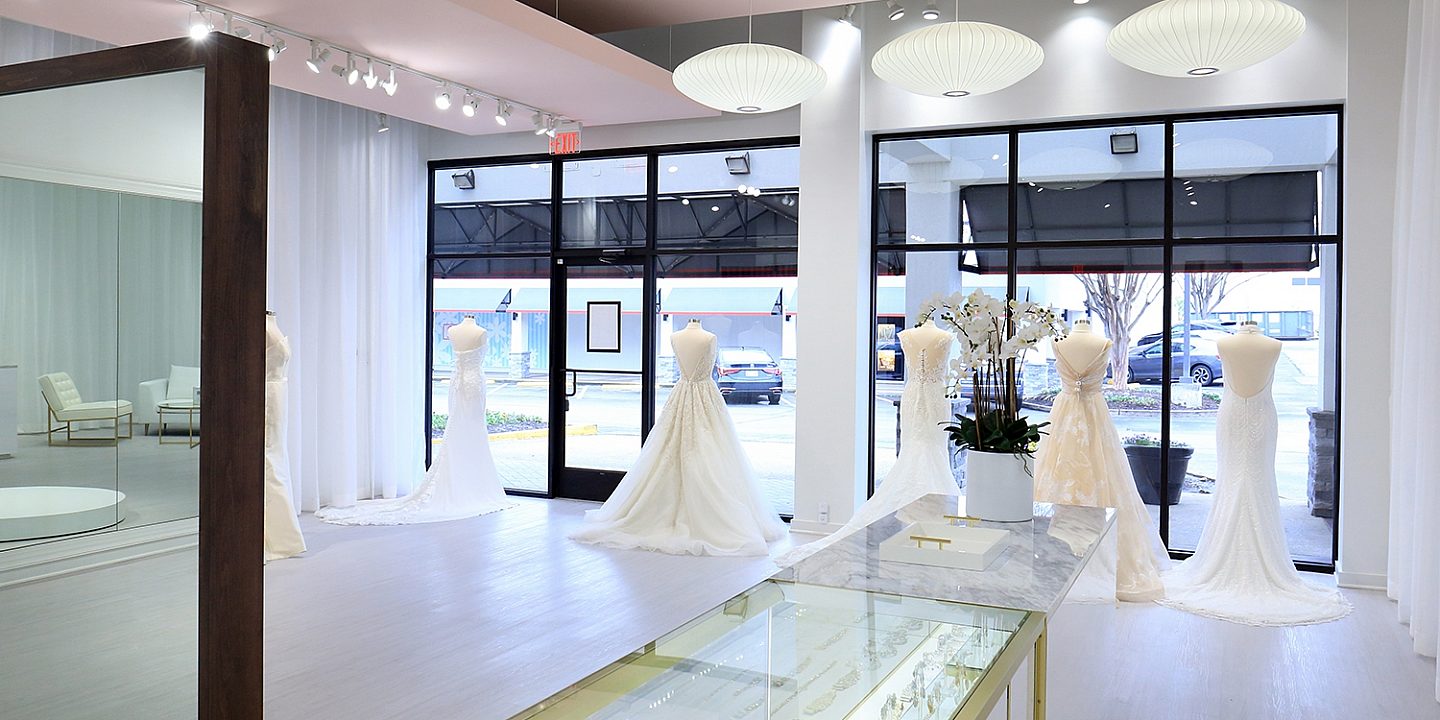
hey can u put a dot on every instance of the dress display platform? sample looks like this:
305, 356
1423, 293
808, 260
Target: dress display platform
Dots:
692, 491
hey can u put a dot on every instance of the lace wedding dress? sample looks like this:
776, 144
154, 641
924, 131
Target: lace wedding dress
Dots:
1081, 461
282, 527
692, 490
923, 466
1241, 570
462, 481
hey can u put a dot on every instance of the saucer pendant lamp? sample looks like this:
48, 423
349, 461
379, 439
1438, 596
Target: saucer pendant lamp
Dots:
957, 59
1197, 38
749, 78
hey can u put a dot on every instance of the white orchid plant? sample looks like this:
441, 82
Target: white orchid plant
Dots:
994, 338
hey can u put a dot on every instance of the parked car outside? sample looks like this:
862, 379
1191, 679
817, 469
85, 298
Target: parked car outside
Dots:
746, 374
1199, 329
1146, 362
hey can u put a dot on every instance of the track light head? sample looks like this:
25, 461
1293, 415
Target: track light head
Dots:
502, 113
277, 46
470, 106
931, 12
848, 17
200, 24
384, 123
390, 86
442, 97
897, 10
318, 56
538, 121
371, 79
352, 73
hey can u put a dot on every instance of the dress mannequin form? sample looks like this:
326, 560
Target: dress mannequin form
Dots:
467, 335
690, 342
1081, 461
282, 527
1082, 346
922, 336
1249, 359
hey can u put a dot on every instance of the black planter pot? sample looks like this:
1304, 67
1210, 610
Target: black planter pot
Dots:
1145, 466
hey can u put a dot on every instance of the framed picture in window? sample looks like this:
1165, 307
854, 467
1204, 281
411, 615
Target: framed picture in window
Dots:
602, 326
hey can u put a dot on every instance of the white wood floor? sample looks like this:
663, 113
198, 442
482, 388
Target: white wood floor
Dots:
481, 618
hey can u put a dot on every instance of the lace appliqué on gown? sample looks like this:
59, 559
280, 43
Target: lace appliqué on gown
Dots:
462, 481
923, 465
692, 491
1081, 461
1241, 570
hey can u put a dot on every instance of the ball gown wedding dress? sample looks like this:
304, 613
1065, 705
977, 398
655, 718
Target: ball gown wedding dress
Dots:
282, 527
1081, 461
692, 491
923, 465
462, 481
1241, 570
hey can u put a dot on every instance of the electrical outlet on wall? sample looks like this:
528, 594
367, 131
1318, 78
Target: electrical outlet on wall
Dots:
824, 515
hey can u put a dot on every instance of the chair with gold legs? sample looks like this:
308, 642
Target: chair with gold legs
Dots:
66, 408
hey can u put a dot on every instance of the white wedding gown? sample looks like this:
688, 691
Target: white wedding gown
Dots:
462, 481
692, 491
1241, 570
282, 527
1081, 461
923, 466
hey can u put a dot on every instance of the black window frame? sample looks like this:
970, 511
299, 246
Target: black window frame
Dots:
1167, 242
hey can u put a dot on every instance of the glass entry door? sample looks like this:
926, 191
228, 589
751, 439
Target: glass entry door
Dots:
605, 398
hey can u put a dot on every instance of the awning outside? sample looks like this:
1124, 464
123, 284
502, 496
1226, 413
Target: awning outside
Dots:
722, 301
889, 301
630, 298
531, 299
471, 299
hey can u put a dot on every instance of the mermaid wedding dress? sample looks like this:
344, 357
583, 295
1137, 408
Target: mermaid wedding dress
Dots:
1081, 461
282, 527
923, 466
1241, 570
462, 481
692, 490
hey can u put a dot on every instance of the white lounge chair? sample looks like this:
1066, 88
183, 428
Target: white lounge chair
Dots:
66, 407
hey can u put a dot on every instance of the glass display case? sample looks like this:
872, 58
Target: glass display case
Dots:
787, 650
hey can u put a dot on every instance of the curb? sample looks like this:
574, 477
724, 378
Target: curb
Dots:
537, 433
1124, 411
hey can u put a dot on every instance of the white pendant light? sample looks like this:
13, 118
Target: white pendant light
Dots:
749, 78
956, 59
1196, 38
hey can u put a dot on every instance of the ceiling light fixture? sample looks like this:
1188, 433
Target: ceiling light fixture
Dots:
442, 97
384, 123
371, 79
234, 28
848, 17
897, 10
1197, 38
318, 56
200, 24
538, 122
470, 106
957, 59
1083, 2
502, 113
352, 73
749, 77
390, 85
277, 46
931, 12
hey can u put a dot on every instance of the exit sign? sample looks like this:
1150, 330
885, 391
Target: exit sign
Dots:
566, 140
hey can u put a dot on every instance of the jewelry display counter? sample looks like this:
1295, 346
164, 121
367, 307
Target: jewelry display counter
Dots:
785, 650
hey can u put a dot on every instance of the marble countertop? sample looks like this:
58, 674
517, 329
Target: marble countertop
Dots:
1041, 560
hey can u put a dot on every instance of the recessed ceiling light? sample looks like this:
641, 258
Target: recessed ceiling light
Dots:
684, 201
996, 156
1080, 2
1107, 205
714, 208
673, 168
1194, 202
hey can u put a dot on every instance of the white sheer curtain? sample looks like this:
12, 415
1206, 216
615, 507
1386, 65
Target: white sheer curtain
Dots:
1414, 567
347, 281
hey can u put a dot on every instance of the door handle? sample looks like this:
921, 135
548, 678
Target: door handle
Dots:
571, 388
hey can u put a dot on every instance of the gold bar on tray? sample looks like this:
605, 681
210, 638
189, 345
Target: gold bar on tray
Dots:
962, 518
920, 541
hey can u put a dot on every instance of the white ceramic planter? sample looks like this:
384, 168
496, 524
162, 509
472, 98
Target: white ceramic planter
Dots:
999, 486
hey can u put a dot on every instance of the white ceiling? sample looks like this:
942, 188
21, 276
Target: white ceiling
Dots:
601, 16
498, 46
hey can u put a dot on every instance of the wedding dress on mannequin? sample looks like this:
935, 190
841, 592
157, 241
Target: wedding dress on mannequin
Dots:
692, 490
1081, 461
462, 481
282, 527
923, 466
1241, 570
